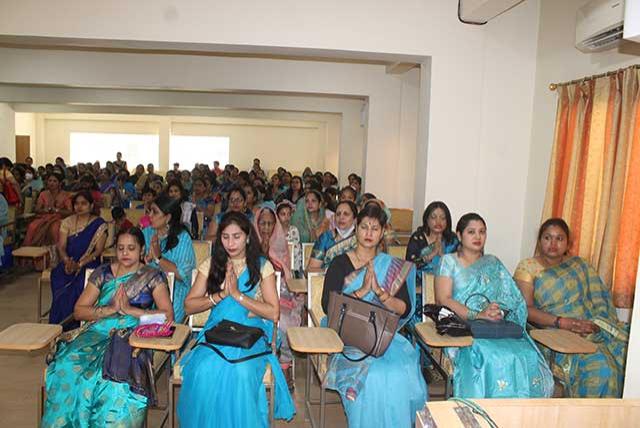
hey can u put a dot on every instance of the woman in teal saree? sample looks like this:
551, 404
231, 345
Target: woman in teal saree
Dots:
238, 284
490, 368
565, 292
388, 390
115, 297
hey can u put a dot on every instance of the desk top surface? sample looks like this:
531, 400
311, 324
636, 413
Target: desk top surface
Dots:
314, 340
427, 332
28, 336
168, 344
30, 252
563, 341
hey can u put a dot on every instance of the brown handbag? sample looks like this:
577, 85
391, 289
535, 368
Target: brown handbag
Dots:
360, 324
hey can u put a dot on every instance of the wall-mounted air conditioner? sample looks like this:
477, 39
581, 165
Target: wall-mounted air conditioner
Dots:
599, 25
632, 20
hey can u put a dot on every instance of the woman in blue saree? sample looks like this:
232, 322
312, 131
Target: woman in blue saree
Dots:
388, 390
115, 297
490, 368
563, 291
238, 284
81, 242
169, 248
336, 241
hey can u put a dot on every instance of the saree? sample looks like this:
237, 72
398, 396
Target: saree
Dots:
66, 288
306, 225
330, 245
494, 368
77, 394
216, 393
573, 289
388, 390
45, 228
184, 258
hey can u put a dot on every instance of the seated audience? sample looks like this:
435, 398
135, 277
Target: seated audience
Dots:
347, 194
168, 247
388, 390
52, 206
564, 291
490, 368
116, 295
237, 284
120, 220
189, 216
294, 192
336, 241
237, 202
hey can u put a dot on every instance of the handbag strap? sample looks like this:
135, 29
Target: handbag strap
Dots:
372, 320
476, 294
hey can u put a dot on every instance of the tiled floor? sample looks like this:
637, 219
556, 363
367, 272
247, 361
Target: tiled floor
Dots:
21, 374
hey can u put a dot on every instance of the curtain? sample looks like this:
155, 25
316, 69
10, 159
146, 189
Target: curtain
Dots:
594, 176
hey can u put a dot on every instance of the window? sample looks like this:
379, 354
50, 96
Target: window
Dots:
188, 150
97, 146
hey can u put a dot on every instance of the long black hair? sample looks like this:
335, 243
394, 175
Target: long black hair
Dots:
171, 206
220, 257
447, 235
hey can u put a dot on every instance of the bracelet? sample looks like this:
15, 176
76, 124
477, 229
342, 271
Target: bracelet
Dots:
355, 294
388, 297
556, 323
213, 302
241, 298
471, 314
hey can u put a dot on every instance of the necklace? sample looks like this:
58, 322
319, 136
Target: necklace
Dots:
360, 261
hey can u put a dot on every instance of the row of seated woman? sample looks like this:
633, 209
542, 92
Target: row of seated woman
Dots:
238, 284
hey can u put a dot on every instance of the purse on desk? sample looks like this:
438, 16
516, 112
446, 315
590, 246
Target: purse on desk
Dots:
360, 324
231, 333
447, 322
487, 329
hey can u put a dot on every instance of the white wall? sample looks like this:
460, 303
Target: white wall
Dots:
26, 125
7, 132
557, 61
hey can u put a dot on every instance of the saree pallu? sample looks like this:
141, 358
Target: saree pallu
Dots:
495, 368
216, 393
326, 248
573, 289
77, 394
66, 288
302, 220
388, 390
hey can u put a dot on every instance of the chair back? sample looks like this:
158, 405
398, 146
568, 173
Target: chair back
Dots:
401, 220
200, 217
292, 255
428, 291
28, 205
136, 204
134, 215
398, 251
202, 250
106, 201
306, 253
105, 213
315, 285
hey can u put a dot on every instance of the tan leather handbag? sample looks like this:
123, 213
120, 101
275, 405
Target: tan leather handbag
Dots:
366, 326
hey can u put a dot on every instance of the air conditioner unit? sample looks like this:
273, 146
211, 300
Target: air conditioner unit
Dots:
599, 25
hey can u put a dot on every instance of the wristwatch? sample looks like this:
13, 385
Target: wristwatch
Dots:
556, 323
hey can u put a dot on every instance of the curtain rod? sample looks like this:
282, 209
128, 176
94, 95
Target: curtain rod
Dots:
554, 86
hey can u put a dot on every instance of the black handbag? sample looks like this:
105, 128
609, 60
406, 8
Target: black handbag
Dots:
487, 329
360, 324
230, 333
447, 322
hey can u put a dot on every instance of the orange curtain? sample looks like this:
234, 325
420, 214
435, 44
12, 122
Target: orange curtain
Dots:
594, 176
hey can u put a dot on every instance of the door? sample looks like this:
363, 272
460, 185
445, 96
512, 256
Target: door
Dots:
23, 148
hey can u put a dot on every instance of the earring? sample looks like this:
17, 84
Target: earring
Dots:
247, 241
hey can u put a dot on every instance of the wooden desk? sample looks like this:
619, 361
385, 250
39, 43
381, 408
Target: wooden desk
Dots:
314, 340
534, 413
28, 336
297, 285
167, 344
563, 341
427, 332
109, 253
